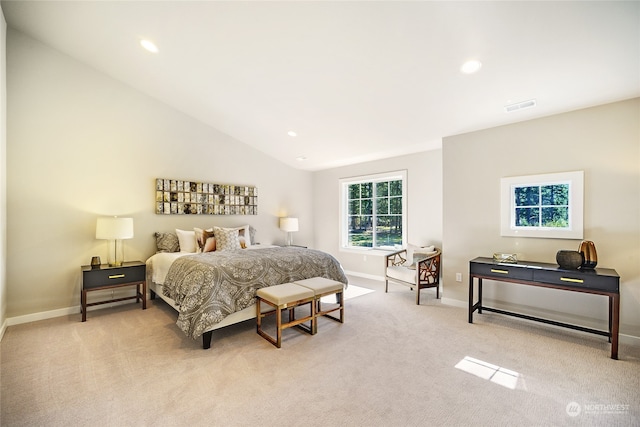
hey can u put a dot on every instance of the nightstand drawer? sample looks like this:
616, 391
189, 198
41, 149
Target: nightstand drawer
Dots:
109, 276
501, 271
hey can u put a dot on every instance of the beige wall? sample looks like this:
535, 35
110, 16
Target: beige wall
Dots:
604, 142
3, 177
82, 145
424, 181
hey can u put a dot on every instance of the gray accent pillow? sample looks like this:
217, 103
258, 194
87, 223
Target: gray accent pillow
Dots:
167, 242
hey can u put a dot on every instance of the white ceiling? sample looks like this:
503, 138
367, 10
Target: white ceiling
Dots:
357, 80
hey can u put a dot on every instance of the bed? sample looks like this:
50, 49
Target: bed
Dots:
215, 289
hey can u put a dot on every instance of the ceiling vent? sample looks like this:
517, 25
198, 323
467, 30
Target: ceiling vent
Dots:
520, 106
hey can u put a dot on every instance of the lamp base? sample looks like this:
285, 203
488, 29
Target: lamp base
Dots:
116, 253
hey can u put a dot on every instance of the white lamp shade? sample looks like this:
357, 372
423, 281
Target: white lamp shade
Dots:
289, 224
114, 228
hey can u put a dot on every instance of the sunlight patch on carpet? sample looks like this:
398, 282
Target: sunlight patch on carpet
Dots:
488, 371
352, 291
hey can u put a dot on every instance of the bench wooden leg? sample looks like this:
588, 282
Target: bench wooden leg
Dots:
280, 326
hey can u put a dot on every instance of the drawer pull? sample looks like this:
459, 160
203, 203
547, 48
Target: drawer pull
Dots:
568, 279
493, 270
116, 276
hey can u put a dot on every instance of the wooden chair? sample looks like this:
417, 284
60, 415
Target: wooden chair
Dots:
423, 271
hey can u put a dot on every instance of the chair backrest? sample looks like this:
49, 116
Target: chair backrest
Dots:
429, 268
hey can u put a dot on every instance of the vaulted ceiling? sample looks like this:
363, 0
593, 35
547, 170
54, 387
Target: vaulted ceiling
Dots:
355, 81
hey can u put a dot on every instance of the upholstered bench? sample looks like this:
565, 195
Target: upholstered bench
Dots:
287, 296
323, 287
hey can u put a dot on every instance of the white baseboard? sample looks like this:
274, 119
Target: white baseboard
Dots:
34, 317
3, 328
365, 275
43, 315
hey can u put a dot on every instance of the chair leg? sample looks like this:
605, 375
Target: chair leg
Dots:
417, 295
386, 286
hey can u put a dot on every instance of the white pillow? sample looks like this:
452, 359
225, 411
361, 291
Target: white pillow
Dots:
227, 239
245, 234
187, 240
416, 253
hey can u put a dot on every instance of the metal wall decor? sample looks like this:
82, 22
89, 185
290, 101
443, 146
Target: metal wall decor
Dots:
200, 198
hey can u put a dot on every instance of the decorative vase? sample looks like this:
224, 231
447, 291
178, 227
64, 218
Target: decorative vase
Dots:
590, 257
95, 262
569, 260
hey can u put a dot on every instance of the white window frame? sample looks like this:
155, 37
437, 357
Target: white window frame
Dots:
575, 179
344, 207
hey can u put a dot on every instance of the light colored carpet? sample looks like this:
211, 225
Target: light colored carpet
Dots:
391, 363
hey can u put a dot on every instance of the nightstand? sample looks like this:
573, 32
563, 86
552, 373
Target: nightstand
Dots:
105, 277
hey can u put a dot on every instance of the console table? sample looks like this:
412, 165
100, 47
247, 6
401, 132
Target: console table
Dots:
599, 281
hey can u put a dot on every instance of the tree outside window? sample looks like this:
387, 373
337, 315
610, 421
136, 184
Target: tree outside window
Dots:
542, 206
375, 211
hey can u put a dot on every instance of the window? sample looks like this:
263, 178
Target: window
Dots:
548, 205
541, 205
373, 211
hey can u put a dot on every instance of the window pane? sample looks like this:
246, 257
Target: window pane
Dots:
360, 231
555, 217
373, 210
527, 217
382, 189
555, 195
395, 188
527, 196
366, 190
382, 206
354, 191
395, 205
354, 207
388, 230
366, 207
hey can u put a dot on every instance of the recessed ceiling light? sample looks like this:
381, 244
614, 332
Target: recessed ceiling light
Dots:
471, 67
292, 133
147, 44
301, 158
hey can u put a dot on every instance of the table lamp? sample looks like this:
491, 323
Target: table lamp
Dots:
114, 230
289, 225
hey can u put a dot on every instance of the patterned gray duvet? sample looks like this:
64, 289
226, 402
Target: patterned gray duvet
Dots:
208, 287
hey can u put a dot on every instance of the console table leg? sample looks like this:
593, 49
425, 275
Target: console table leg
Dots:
479, 295
470, 299
610, 316
615, 302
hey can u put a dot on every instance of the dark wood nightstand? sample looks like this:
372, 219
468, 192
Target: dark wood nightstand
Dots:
105, 277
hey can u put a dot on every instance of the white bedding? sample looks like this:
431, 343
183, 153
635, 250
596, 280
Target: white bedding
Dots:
158, 264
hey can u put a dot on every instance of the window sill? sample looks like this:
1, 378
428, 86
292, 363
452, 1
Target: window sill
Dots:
368, 251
